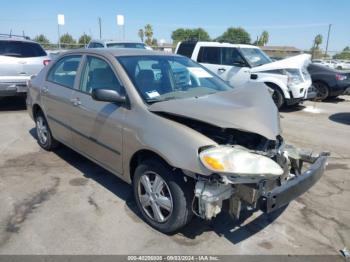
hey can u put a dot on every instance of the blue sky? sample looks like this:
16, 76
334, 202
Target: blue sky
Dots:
288, 22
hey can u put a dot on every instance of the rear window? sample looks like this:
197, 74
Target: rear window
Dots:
21, 49
126, 45
186, 49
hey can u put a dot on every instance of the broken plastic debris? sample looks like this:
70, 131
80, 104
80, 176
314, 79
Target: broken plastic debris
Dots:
345, 252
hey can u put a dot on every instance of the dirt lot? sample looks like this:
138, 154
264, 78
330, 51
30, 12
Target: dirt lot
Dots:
61, 203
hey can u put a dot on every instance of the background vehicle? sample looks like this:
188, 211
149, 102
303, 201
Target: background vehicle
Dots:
174, 130
20, 58
116, 44
239, 64
328, 82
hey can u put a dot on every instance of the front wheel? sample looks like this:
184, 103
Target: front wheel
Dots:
278, 98
162, 196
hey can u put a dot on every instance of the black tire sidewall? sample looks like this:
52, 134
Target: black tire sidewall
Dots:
280, 97
319, 85
181, 193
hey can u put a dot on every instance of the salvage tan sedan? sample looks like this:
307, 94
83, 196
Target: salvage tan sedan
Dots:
183, 138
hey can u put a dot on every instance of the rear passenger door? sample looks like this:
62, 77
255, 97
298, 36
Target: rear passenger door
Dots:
56, 96
97, 126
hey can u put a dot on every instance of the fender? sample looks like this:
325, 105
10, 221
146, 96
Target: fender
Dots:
278, 80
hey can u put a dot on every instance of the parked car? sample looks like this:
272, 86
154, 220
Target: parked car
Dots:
183, 138
20, 59
117, 44
328, 82
239, 64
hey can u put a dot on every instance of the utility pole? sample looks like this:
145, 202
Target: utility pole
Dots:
100, 27
329, 32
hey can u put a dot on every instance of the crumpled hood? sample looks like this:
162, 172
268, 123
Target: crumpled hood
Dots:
249, 108
294, 62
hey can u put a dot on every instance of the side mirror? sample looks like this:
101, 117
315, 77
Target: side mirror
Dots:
108, 95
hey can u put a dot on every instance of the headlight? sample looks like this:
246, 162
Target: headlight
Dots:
294, 76
225, 159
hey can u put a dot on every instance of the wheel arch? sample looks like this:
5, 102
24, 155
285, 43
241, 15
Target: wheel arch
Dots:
140, 156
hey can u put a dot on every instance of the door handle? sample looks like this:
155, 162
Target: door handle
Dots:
221, 70
75, 102
45, 90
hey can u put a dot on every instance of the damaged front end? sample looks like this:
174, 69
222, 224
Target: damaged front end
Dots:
255, 179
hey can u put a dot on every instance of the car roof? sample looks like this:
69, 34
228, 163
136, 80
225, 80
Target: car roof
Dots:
223, 44
114, 41
16, 38
120, 52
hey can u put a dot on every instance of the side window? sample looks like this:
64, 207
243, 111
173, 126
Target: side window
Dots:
98, 45
64, 71
209, 55
232, 57
91, 45
97, 74
186, 49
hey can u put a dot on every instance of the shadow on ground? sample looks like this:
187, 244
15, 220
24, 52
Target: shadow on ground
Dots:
223, 224
334, 100
294, 108
342, 118
12, 104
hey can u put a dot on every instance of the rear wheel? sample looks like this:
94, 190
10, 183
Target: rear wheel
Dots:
43, 132
162, 196
322, 91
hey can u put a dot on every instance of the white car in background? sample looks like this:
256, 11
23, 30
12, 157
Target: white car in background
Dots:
117, 44
20, 59
239, 64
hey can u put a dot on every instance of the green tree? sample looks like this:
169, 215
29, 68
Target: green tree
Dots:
148, 34
84, 39
42, 39
67, 41
141, 34
235, 35
315, 50
154, 42
263, 39
345, 54
182, 34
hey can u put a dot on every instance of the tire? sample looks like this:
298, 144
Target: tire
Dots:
322, 91
43, 133
169, 215
278, 98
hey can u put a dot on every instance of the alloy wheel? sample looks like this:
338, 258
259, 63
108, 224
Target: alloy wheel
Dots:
41, 129
155, 197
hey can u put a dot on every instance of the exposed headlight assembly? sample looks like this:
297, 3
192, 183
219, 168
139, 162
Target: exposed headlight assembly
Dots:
294, 76
231, 160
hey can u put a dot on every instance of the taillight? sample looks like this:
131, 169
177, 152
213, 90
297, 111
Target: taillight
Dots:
340, 77
46, 62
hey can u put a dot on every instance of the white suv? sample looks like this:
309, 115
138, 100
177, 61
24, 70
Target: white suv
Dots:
238, 64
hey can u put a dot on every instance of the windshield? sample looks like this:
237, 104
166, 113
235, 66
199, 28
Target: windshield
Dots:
126, 45
255, 56
159, 78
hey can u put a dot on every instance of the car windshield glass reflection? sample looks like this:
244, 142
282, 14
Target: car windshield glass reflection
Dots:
159, 78
255, 56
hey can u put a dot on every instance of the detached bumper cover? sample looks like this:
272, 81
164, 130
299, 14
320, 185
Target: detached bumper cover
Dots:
13, 88
293, 188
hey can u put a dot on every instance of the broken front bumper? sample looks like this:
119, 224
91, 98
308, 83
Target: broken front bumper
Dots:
293, 188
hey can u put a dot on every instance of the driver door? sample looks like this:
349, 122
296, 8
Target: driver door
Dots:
226, 62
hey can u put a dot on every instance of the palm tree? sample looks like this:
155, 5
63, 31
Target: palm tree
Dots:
264, 38
141, 34
317, 41
149, 34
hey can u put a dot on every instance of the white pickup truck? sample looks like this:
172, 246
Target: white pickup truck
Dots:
238, 64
